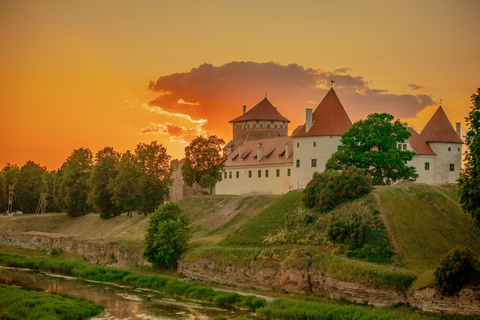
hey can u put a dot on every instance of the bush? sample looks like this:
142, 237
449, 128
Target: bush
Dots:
454, 271
349, 230
167, 236
328, 189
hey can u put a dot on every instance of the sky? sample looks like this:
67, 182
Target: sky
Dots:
95, 74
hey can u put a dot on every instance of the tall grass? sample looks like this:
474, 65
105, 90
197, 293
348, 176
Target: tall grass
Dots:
122, 277
16, 303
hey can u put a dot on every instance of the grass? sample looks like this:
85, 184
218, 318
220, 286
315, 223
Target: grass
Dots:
16, 303
427, 222
124, 277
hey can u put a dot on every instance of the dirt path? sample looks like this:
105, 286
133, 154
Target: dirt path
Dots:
387, 225
223, 215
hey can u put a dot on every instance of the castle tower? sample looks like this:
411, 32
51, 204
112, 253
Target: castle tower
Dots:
446, 144
319, 138
263, 121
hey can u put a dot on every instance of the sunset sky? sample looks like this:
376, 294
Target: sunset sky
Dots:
116, 73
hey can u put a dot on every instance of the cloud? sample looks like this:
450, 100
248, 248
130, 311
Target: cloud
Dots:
418, 86
176, 133
217, 94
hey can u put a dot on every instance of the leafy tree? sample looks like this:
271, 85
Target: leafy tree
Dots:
143, 179
455, 270
51, 183
3, 194
469, 182
31, 183
10, 173
167, 235
105, 168
124, 186
73, 182
371, 145
204, 162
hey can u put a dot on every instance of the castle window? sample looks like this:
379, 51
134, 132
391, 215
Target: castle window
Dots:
314, 163
458, 149
259, 173
452, 167
225, 174
298, 144
404, 147
249, 173
298, 163
278, 172
266, 173
230, 174
238, 174
427, 165
314, 144
399, 146
449, 149
288, 172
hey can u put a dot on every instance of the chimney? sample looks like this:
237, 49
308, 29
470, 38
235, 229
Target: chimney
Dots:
287, 150
240, 150
244, 109
308, 122
405, 125
259, 151
459, 129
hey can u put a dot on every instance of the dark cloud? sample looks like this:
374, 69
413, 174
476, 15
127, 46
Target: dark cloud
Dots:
418, 86
217, 94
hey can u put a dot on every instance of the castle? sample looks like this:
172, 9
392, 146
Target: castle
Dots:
262, 158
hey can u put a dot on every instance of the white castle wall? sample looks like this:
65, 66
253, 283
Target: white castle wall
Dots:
245, 184
447, 154
305, 149
424, 175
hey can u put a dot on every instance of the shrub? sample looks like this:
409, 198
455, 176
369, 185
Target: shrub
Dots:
167, 235
349, 230
328, 189
454, 270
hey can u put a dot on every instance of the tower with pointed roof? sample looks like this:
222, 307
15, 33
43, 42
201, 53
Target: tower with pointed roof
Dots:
263, 121
319, 138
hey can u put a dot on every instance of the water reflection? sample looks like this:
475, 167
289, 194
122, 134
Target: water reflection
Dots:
120, 302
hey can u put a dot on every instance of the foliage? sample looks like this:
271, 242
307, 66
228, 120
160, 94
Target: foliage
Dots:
309, 310
455, 270
328, 189
122, 277
3, 194
204, 162
105, 169
167, 235
31, 182
16, 303
51, 186
351, 231
371, 145
10, 173
143, 179
73, 182
469, 182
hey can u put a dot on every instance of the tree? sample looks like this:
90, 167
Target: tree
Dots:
73, 182
143, 179
10, 173
469, 181
371, 145
456, 269
3, 194
204, 162
51, 181
167, 235
31, 183
105, 169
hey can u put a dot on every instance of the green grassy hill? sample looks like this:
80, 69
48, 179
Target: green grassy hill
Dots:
407, 229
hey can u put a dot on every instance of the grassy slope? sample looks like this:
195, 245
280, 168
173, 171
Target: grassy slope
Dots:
426, 222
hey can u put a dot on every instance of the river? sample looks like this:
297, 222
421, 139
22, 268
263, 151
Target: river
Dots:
120, 303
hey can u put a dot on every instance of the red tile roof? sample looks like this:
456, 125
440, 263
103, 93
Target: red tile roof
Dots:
439, 129
264, 110
273, 152
329, 118
419, 144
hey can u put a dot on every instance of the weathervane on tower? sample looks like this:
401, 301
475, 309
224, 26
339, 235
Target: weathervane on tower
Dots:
331, 83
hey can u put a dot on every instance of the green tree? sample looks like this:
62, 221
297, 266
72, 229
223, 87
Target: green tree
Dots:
105, 169
30, 184
72, 182
371, 145
10, 173
167, 235
456, 269
124, 186
204, 162
469, 181
3, 194
51, 181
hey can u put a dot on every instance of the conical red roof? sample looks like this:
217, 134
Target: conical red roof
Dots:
439, 129
329, 118
419, 144
262, 111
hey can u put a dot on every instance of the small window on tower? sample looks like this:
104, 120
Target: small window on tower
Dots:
298, 144
452, 167
314, 163
449, 149
298, 163
314, 144
427, 165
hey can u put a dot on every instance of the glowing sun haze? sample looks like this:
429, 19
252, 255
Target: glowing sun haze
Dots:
116, 73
